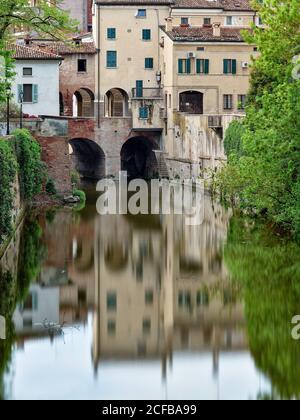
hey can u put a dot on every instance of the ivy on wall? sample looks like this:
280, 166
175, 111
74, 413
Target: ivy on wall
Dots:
22, 155
31, 168
8, 169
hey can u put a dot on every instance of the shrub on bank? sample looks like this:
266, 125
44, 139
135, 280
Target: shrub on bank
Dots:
19, 155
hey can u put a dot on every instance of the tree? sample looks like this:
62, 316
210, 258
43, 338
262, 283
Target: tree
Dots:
267, 174
47, 18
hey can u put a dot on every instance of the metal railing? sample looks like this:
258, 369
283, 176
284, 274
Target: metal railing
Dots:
147, 93
214, 121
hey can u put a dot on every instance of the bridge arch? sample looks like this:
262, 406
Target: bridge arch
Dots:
88, 158
138, 157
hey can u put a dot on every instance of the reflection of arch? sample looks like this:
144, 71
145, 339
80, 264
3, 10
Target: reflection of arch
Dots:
191, 102
116, 103
138, 157
61, 104
89, 158
83, 103
116, 257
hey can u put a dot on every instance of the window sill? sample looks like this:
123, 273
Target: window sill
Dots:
111, 68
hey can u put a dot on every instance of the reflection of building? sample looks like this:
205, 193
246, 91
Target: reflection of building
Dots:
153, 285
163, 288
41, 304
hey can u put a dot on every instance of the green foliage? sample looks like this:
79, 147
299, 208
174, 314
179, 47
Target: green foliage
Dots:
265, 177
14, 288
269, 270
278, 42
233, 139
46, 19
14, 111
50, 187
6, 71
75, 178
8, 167
31, 168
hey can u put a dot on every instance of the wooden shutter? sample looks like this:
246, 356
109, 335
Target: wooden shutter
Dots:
225, 66
20, 90
35, 94
234, 67
180, 66
206, 67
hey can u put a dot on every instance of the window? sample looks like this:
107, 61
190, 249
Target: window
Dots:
143, 113
146, 326
28, 93
202, 298
230, 66
81, 66
111, 59
111, 327
227, 102
111, 33
141, 13
27, 71
242, 101
184, 21
184, 66
149, 297
229, 20
111, 301
202, 66
200, 49
207, 21
184, 299
146, 34
148, 63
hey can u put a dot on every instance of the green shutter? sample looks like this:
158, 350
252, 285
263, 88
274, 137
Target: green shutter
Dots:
146, 34
35, 94
139, 88
20, 90
206, 67
198, 66
111, 33
180, 66
188, 66
234, 66
225, 66
111, 60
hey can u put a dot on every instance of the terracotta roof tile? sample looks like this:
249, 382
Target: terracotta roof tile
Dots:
205, 34
230, 5
22, 52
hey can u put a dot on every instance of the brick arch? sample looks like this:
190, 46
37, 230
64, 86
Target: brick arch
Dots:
88, 158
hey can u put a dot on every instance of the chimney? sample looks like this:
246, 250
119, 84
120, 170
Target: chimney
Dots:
169, 24
217, 30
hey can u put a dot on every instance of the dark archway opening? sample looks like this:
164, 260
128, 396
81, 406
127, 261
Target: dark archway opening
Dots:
88, 158
61, 104
191, 102
83, 103
138, 158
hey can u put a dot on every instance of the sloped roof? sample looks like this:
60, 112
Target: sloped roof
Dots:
198, 34
229, 5
22, 52
61, 48
134, 2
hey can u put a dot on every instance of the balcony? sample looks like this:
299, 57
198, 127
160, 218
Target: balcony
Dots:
147, 93
215, 121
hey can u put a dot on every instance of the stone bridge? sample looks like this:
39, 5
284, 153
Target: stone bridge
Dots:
95, 152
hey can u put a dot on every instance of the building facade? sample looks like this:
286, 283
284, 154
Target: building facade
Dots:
170, 77
36, 83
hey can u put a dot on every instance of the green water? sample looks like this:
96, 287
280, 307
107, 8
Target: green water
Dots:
123, 307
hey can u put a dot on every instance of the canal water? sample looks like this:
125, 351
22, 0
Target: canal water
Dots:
145, 307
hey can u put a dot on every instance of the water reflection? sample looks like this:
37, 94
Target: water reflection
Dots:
132, 307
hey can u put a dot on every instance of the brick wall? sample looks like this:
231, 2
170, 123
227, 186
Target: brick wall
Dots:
55, 154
